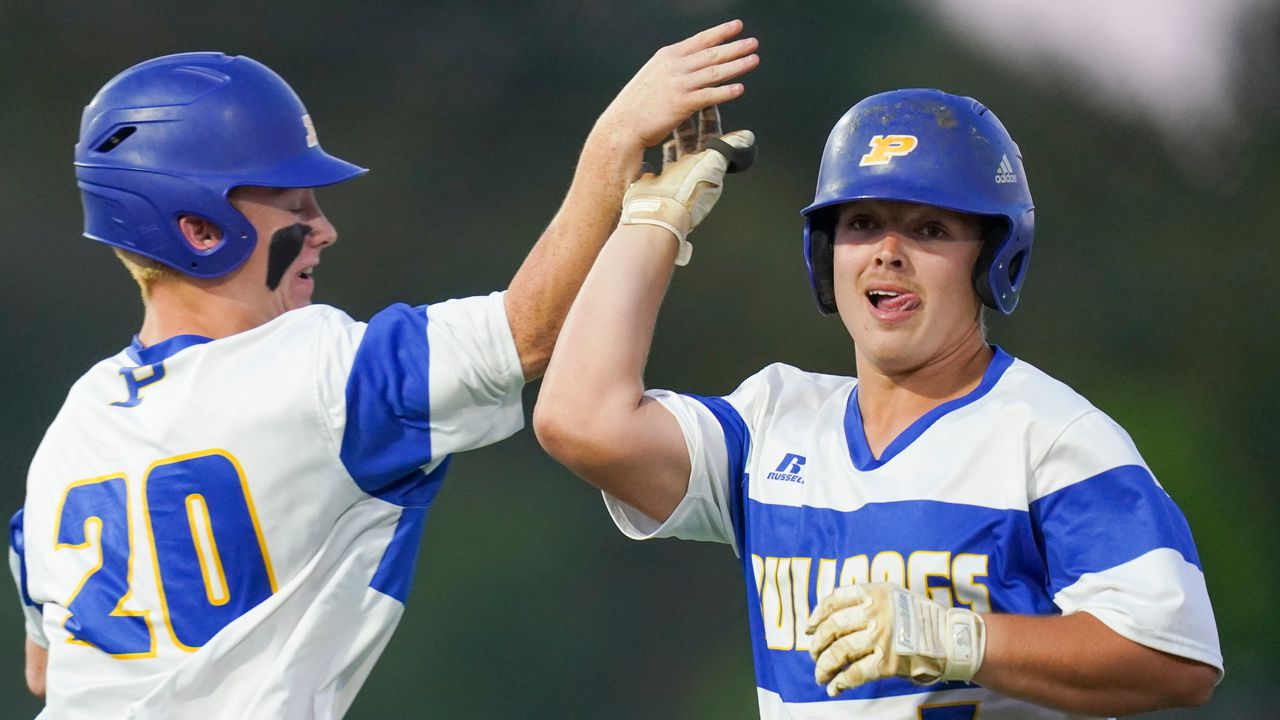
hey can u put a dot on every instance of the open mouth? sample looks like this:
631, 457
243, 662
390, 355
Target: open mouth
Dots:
892, 301
306, 274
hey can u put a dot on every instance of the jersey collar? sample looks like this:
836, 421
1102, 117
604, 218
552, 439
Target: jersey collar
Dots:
856, 437
162, 350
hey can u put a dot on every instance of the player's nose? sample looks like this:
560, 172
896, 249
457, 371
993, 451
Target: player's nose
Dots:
323, 233
890, 252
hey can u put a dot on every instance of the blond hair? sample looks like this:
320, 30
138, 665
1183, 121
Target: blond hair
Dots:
145, 271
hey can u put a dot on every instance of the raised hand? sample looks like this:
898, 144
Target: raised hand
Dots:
678, 81
689, 185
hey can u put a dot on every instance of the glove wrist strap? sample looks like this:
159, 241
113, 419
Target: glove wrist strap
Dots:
966, 643
665, 213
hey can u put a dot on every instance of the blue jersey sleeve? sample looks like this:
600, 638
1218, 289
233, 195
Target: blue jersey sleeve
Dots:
719, 433
1116, 545
32, 611
1105, 521
426, 382
387, 437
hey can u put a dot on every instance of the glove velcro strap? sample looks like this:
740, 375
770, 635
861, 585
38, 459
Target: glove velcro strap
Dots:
917, 626
665, 213
966, 640
943, 643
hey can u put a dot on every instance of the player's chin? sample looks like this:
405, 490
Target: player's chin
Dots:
298, 292
869, 329
890, 348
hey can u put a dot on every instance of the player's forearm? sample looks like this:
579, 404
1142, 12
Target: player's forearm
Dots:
595, 381
678, 80
590, 413
550, 277
1076, 663
37, 660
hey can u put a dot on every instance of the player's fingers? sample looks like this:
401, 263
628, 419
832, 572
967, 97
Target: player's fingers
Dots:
708, 38
670, 152
869, 667
840, 654
841, 649
687, 135
708, 125
842, 622
738, 147
720, 54
715, 95
842, 597
717, 74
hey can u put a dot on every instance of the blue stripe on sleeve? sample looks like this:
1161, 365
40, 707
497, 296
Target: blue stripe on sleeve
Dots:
1105, 521
395, 572
738, 441
18, 542
387, 438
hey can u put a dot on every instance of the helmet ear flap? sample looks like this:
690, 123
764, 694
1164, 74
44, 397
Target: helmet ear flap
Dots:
994, 235
1002, 263
819, 256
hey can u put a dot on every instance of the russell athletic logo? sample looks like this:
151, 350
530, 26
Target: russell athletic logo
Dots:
1004, 173
789, 469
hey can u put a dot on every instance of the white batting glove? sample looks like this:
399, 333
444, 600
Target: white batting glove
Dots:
684, 193
868, 632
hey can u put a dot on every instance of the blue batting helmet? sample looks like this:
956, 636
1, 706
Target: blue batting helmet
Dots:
172, 136
933, 148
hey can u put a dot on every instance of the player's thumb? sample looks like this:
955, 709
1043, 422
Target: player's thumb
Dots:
738, 148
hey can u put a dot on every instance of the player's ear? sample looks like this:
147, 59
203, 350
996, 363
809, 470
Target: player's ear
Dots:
199, 233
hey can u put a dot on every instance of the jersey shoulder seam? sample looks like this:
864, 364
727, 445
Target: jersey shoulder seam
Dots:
335, 443
1035, 466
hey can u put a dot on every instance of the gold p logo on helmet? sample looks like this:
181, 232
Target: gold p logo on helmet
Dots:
887, 147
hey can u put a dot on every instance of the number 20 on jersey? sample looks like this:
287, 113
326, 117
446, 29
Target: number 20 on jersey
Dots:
209, 558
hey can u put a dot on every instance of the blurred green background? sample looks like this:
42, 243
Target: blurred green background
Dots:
1149, 132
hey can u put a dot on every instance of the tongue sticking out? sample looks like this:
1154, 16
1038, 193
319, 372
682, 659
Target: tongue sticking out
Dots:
899, 303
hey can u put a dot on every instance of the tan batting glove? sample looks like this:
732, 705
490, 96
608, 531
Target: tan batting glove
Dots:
680, 197
868, 632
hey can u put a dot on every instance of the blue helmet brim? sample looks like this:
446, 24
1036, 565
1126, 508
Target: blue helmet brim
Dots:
310, 170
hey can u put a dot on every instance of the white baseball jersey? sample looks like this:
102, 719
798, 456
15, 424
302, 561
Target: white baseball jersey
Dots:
228, 528
1019, 497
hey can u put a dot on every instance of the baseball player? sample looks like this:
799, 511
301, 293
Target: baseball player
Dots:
952, 533
223, 519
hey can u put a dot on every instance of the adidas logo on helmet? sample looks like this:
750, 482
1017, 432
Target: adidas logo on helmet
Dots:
1004, 173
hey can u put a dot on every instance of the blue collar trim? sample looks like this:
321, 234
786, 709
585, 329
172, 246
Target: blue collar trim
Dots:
856, 437
162, 350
